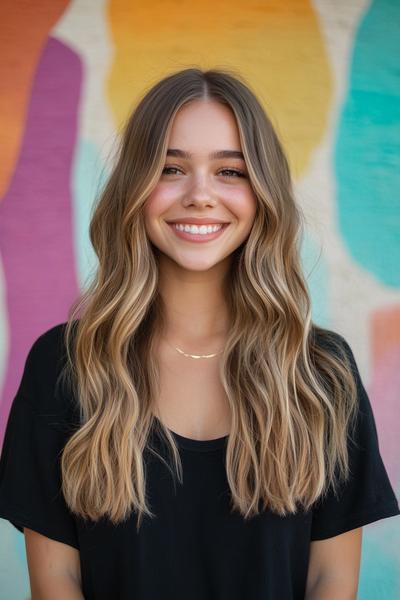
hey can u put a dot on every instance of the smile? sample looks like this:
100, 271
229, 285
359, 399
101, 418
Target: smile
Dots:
194, 233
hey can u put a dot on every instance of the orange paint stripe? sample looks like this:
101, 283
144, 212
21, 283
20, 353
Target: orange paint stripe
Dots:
385, 332
25, 29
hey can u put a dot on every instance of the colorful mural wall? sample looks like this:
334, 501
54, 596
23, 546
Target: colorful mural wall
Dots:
327, 73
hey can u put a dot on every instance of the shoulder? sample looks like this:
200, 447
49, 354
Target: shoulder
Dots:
45, 344
44, 358
334, 343
327, 337
360, 413
42, 386
342, 371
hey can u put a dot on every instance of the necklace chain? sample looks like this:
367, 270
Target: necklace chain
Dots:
194, 355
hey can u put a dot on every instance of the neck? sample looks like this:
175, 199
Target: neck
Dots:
195, 311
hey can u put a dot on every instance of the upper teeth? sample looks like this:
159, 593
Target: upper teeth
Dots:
195, 229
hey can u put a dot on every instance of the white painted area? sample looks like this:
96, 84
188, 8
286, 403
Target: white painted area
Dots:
84, 28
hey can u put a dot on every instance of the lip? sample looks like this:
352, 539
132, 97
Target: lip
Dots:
198, 221
197, 237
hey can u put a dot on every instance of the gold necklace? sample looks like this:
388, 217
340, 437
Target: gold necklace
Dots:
193, 355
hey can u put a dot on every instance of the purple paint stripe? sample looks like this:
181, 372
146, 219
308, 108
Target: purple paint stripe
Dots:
36, 227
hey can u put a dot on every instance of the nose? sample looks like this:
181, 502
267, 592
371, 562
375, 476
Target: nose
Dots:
200, 193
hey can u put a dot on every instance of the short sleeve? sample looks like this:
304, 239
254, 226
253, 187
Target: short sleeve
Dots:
367, 495
36, 432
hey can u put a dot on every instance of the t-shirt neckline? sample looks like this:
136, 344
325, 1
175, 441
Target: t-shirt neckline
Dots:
197, 445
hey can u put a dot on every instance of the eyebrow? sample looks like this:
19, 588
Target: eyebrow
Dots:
214, 155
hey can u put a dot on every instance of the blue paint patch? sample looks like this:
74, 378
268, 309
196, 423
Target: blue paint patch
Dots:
367, 151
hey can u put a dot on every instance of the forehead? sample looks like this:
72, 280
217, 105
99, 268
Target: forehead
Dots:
202, 126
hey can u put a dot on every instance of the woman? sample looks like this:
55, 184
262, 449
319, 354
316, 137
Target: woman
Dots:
189, 432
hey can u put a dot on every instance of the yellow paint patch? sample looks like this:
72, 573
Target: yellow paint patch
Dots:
276, 46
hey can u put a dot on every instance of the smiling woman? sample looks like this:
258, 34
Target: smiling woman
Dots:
192, 358
206, 183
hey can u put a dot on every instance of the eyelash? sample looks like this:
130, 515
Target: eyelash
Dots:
236, 171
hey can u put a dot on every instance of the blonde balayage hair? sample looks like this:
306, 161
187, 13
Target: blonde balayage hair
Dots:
288, 381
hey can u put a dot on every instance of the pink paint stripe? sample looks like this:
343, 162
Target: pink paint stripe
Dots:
36, 228
384, 393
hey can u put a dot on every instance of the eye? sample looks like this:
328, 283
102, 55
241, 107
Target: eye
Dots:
228, 172
236, 172
169, 169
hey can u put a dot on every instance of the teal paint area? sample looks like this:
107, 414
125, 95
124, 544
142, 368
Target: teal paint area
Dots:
380, 561
89, 176
367, 149
316, 275
14, 577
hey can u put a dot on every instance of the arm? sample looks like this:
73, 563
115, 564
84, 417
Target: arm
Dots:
54, 568
334, 567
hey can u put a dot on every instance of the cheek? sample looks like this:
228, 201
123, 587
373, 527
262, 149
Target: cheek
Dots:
242, 203
156, 207
156, 204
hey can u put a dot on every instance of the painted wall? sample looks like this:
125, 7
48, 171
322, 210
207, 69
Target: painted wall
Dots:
327, 73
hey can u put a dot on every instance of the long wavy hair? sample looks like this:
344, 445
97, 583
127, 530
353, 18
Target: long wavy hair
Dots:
288, 381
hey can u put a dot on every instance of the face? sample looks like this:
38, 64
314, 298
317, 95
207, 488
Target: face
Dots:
198, 185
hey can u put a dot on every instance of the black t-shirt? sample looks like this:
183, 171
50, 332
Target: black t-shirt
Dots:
195, 547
